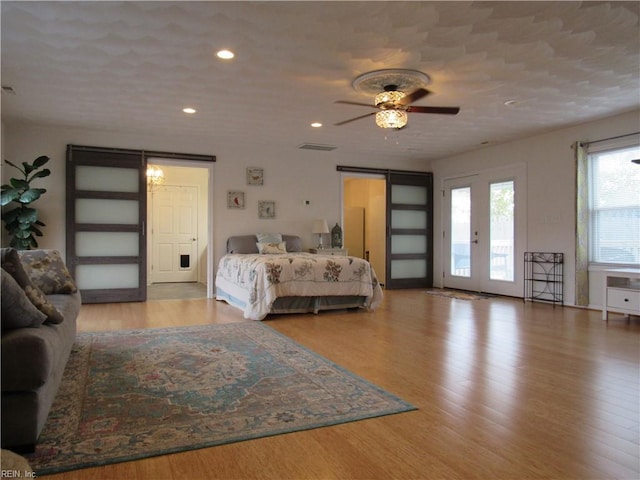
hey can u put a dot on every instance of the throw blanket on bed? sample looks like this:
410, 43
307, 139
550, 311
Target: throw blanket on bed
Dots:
255, 281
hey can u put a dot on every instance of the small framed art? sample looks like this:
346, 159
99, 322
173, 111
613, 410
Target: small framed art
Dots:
255, 176
235, 199
267, 209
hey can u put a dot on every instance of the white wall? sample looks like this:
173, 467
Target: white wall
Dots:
291, 176
551, 192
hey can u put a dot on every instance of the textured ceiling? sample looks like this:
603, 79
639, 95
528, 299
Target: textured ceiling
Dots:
133, 66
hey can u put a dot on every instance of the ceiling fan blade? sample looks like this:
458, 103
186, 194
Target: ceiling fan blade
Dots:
412, 97
347, 102
354, 119
442, 110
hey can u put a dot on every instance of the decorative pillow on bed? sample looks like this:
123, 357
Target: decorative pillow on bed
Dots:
269, 237
271, 248
293, 243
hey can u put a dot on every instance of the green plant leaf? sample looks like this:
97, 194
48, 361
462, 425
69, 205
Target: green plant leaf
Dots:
9, 196
40, 161
13, 165
28, 215
42, 173
31, 195
28, 168
19, 183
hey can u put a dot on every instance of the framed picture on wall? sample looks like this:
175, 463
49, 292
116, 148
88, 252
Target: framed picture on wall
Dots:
266, 209
235, 199
255, 176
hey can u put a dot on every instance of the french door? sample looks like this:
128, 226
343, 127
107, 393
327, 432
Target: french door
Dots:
484, 231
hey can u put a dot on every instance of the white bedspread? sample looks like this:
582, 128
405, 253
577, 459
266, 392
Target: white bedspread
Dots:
253, 281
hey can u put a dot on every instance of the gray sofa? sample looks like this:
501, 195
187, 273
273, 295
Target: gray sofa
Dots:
40, 305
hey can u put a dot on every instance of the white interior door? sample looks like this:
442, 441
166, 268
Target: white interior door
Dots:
484, 231
174, 234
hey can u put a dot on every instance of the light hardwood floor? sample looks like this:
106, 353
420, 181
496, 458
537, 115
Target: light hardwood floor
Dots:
504, 390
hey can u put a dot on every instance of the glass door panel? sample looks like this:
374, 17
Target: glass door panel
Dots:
115, 212
107, 277
106, 179
501, 231
408, 219
460, 238
409, 244
408, 269
98, 244
408, 194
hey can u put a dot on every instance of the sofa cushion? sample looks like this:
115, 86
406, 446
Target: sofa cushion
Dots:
29, 356
12, 264
47, 271
17, 309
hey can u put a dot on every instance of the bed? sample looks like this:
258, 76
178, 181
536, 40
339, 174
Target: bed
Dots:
261, 277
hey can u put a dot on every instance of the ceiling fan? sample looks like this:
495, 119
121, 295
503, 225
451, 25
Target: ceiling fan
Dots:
393, 106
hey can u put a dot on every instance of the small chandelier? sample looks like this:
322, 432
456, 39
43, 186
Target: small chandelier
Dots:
391, 118
155, 176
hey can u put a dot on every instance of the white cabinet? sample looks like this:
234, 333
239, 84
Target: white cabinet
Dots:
621, 291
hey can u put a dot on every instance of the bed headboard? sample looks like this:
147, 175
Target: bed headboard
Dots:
247, 243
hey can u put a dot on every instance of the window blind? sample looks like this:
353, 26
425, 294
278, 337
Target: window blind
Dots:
614, 206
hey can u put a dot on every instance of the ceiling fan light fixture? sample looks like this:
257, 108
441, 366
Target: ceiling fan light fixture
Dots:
391, 118
391, 96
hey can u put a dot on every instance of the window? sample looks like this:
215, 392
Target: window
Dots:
614, 206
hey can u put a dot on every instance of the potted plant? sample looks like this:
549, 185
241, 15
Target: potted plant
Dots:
22, 221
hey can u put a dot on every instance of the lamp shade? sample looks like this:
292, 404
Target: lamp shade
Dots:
320, 226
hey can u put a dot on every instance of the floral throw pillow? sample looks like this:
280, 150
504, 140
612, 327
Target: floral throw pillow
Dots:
17, 309
13, 265
271, 248
47, 271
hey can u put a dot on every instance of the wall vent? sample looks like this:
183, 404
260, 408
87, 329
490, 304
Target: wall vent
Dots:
316, 146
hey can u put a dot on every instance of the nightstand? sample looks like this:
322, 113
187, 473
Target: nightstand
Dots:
621, 291
329, 251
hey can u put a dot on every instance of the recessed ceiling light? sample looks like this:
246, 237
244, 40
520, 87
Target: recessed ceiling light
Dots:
225, 54
316, 124
189, 110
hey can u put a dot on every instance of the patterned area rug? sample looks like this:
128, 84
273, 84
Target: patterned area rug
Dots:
139, 393
458, 294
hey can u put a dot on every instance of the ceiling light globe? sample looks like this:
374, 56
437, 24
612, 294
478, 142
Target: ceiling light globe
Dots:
391, 118
391, 96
